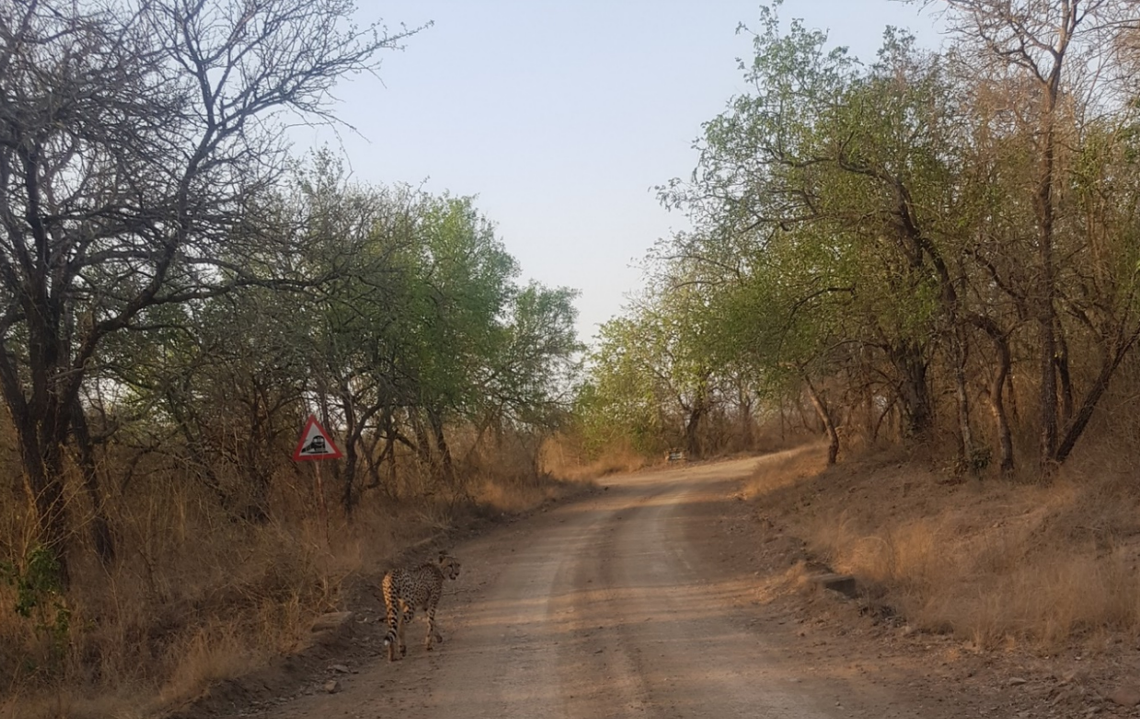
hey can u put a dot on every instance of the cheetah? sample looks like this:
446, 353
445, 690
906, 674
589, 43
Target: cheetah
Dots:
406, 590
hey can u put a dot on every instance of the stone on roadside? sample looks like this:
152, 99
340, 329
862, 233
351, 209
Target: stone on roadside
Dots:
1125, 696
841, 583
332, 620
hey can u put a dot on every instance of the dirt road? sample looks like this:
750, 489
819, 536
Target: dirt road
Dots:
622, 604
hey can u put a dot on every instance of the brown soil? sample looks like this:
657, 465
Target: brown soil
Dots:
664, 594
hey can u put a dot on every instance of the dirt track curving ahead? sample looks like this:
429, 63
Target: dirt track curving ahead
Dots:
629, 603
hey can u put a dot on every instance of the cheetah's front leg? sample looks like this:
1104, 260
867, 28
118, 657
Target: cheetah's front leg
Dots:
433, 630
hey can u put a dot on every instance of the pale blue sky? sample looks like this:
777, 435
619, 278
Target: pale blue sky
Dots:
561, 116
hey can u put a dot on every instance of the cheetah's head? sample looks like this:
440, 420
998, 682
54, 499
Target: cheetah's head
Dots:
449, 565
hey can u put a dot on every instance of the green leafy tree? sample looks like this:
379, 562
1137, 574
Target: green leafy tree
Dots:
836, 169
652, 377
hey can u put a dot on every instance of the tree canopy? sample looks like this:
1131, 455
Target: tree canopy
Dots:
901, 240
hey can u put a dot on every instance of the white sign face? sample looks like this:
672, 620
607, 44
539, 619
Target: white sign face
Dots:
315, 443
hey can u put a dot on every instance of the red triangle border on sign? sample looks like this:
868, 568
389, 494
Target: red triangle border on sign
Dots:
333, 453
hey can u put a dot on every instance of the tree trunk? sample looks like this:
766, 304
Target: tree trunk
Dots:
997, 391
423, 443
1081, 419
962, 397
101, 533
1113, 356
447, 467
1065, 378
1005, 438
693, 431
885, 415
390, 451
42, 419
1011, 395
351, 453
1044, 209
824, 413
914, 393
43, 483
746, 424
997, 403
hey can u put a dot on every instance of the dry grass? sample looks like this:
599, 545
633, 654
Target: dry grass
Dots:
207, 655
989, 561
787, 469
198, 595
562, 457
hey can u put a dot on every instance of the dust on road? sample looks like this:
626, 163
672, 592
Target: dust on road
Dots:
607, 607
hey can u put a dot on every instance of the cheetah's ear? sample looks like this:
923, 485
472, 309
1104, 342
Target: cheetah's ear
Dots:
442, 555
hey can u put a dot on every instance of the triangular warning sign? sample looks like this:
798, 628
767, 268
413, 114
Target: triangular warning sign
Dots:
315, 443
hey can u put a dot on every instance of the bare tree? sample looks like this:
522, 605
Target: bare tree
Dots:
1059, 49
135, 141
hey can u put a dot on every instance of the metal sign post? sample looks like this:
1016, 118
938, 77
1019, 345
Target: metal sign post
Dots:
322, 506
316, 444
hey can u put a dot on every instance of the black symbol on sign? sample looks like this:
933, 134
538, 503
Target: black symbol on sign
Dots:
315, 446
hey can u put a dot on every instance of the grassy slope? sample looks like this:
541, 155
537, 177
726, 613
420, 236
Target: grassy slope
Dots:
995, 563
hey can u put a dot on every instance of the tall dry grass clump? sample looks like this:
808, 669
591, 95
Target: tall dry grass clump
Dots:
993, 562
564, 455
520, 472
199, 594
195, 596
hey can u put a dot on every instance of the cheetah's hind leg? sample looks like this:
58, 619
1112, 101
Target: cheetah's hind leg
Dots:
409, 613
395, 630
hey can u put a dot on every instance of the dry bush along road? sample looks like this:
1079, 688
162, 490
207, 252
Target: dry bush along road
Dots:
622, 604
